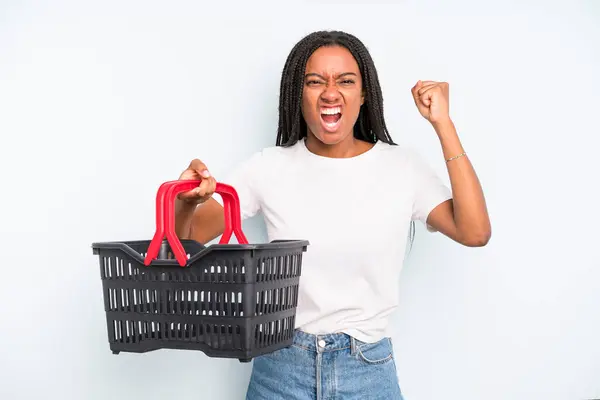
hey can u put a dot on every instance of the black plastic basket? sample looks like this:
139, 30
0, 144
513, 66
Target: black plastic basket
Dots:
226, 300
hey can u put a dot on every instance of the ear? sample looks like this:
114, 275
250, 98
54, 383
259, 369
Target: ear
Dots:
362, 97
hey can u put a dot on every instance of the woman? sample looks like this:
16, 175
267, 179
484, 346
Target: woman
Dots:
337, 179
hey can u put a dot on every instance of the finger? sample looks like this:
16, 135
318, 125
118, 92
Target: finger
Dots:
213, 185
425, 88
416, 88
421, 84
199, 167
429, 91
425, 97
204, 188
207, 187
415, 93
197, 164
420, 88
189, 194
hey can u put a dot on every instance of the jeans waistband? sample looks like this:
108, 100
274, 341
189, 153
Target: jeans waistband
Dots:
324, 343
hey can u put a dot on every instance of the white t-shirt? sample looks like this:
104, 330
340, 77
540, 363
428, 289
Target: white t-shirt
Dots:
356, 213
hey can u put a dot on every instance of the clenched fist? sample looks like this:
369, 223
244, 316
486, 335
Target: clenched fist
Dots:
432, 100
196, 171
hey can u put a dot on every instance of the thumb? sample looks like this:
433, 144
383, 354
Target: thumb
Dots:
203, 173
426, 98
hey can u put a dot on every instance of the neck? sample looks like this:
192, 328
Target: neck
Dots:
349, 147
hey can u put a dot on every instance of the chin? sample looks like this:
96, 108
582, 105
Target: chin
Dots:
330, 138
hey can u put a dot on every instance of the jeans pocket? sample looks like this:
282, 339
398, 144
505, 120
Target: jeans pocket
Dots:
375, 353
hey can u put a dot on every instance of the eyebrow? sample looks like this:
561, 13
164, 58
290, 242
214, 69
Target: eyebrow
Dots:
321, 76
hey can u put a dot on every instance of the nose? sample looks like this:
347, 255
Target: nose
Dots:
330, 94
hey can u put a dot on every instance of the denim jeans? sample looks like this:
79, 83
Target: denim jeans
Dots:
325, 367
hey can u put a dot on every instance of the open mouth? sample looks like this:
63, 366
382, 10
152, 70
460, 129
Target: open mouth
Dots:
331, 118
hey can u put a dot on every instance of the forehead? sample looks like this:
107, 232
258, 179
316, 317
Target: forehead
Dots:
332, 60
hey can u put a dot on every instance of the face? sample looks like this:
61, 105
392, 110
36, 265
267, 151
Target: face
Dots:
332, 94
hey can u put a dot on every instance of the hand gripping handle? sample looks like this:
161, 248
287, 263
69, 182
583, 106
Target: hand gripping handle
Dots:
165, 218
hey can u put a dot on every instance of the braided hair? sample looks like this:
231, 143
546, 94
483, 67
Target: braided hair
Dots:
370, 125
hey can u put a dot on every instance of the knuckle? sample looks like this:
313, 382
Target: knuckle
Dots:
197, 163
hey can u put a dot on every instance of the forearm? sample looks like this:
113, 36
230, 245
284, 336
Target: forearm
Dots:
202, 223
184, 213
470, 212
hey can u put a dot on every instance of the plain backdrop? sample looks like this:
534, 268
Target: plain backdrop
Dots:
100, 102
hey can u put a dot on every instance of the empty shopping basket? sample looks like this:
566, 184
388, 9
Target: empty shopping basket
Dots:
226, 300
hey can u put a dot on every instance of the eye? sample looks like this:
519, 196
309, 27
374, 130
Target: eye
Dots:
313, 82
347, 82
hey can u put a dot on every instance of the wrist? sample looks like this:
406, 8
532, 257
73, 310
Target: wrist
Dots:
443, 124
446, 132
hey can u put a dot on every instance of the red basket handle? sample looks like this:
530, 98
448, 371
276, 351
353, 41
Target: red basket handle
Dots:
165, 218
159, 234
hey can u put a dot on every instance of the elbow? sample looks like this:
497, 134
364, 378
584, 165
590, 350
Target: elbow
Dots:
478, 239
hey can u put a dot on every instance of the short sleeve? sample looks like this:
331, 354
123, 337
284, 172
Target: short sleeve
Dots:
429, 190
244, 180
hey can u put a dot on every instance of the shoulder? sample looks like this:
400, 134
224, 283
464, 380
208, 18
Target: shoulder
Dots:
273, 155
278, 152
263, 163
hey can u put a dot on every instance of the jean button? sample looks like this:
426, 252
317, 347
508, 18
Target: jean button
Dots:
322, 343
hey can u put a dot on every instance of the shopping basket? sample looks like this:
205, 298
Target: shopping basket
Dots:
226, 300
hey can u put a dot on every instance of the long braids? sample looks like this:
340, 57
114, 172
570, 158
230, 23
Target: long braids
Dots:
370, 125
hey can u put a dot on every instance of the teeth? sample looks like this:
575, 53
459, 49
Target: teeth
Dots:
331, 111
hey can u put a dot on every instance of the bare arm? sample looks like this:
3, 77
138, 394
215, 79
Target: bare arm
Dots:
201, 223
465, 218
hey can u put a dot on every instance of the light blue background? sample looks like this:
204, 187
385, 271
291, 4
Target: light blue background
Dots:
100, 102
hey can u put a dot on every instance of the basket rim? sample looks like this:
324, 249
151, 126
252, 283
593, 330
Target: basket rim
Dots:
273, 245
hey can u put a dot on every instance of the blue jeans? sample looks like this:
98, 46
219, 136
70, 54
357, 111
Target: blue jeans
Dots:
324, 367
